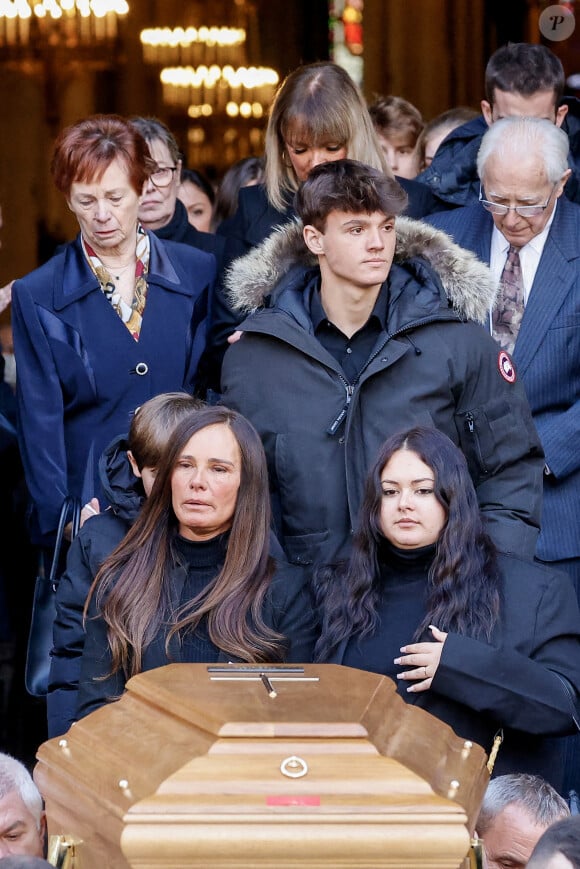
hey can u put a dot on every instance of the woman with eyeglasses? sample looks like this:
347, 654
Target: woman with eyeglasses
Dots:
161, 210
116, 317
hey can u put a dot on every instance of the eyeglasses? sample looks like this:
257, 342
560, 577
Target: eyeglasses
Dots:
163, 175
522, 210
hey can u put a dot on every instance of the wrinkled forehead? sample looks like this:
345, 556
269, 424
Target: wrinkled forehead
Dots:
508, 168
14, 810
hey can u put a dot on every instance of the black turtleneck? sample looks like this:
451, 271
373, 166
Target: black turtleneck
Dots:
400, 609
180, 229
202, 560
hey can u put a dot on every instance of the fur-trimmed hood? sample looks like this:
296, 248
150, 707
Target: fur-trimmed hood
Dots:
466, 280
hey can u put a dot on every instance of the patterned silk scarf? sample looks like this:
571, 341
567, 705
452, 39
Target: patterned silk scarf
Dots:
131, 315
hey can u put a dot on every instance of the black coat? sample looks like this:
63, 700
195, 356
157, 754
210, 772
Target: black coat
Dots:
95, 541
430, 366
514, 681
180, 229
253, 221
287, 609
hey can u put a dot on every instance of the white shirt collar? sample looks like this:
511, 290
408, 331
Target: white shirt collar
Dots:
530, 254
501, 244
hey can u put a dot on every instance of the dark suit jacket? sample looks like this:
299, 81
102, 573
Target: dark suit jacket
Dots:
547, 357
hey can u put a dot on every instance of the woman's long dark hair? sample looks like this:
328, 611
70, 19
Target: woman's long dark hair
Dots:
464, 578
130, 588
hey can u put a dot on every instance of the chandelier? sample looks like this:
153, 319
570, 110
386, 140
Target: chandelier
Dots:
49, 24
193, 46
208, 72
245, 91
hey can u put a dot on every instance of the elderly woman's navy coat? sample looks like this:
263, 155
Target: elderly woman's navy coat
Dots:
80, 373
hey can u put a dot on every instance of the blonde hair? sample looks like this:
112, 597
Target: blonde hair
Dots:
321, 103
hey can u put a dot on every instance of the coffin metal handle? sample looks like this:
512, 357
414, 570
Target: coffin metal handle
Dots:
294, 767
63, 852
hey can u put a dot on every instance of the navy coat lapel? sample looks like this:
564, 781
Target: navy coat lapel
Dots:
554, 279
481, 229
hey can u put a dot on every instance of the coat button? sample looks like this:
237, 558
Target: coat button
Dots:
141, 368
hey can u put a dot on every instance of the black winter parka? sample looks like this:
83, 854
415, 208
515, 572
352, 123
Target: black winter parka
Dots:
434, 365
95, 541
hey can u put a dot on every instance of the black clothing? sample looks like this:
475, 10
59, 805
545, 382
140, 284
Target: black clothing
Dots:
401, 606
525, 679
430, 366
350, 353
94, 542
200, 559
287, 609
254, 220
180, 229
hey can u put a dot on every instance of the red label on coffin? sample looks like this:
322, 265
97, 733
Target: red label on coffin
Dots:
289, 800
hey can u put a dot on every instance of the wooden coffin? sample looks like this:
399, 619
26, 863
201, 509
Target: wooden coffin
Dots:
194, 767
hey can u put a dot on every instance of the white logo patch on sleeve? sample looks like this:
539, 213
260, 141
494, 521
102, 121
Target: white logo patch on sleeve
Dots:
506, 366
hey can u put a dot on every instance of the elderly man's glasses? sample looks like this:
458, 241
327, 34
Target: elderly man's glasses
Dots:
163, 175
522, 210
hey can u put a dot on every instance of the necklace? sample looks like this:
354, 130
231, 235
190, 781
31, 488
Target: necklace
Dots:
120, 271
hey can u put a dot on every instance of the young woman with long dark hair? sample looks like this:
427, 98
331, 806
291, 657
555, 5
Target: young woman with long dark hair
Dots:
485, 641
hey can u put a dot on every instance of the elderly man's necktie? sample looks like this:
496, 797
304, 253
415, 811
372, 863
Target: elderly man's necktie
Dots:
509, 308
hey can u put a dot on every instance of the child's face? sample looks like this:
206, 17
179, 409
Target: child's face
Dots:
148, 478
400, 151
146, 473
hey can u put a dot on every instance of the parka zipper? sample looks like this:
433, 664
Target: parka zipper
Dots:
350, 387
336, 424
470, 425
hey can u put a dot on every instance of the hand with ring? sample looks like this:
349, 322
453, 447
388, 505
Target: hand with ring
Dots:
423, 659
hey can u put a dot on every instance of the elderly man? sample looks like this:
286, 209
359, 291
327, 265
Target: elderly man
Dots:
528, 233
22, 818
516, 810
521, 79
523, 167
